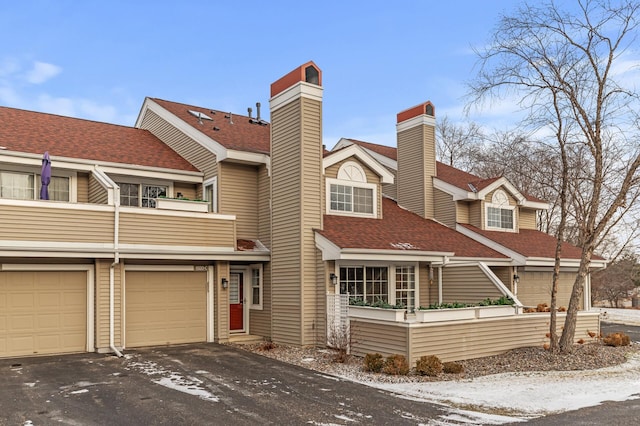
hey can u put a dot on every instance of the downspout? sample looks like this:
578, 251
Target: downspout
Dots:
444, 262
116, 261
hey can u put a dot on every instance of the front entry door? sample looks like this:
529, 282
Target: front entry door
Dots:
236, 301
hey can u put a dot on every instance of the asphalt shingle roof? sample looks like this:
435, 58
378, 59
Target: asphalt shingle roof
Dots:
530, 243
401, 230
35, 132
241, 135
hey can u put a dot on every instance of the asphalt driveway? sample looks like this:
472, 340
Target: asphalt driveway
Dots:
194, 384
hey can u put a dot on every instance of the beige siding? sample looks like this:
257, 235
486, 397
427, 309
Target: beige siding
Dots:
238, 194
459, 340
416, 168
221, 297
260, 320
444, 208
102, 305
264, 206
476, 214
83, 187
97, 193
391, 189
188, 190
22, 223
504, 273
189, 149
141, 228
296, 160
377, 337
424, 285
527, 219
535, 288
462, 212
467, 284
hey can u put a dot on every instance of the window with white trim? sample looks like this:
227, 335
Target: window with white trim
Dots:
211, 193
370, 283
140, 195
256, 287
350, 193
406, 287
500, 215
22, 186
380, 284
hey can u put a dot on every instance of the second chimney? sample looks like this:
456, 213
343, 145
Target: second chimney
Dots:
416, 133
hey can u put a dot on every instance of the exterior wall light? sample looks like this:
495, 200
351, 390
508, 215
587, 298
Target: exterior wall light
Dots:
516, 278
225, 283
334, 278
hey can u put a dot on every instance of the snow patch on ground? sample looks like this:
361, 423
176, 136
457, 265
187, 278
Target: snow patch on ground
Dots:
619, 316
173, 380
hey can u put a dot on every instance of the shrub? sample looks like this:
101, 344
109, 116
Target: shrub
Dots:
373, 362
267, 345
616, 339
340, 339
452, 368
428, 365
396, 365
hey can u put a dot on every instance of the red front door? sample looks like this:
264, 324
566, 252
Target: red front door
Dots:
236, 302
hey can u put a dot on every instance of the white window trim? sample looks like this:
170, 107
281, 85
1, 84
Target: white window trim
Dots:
259, 306
391, 274
502, 207
372, 186
71, 175
211, 182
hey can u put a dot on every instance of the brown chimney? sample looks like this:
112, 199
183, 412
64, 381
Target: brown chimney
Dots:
416, 158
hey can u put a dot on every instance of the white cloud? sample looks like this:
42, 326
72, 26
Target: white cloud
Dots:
42, 72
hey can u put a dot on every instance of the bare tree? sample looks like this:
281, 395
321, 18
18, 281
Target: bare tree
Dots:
569, 71
457, 143
617, 281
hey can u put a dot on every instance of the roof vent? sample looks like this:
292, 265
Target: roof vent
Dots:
216, 128
200, 116
230, 117
256, 120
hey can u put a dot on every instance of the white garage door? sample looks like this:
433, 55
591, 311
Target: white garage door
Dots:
43, 312
164, 308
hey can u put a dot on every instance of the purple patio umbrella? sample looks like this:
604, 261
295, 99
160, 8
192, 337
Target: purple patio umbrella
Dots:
45, 176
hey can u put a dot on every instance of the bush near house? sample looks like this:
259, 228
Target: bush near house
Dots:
396, 365
373, 362
452, 367
616, 339
428, 365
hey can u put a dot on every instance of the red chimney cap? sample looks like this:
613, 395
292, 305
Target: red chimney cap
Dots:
426, 108
308, 72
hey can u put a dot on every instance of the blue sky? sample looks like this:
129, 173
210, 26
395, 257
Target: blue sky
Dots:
98, 60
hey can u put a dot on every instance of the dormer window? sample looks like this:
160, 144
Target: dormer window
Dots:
350, 194
500, 215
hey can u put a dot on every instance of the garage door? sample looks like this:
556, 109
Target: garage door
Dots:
164, 308
43, 312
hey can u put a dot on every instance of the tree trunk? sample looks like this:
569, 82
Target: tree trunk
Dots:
569, 330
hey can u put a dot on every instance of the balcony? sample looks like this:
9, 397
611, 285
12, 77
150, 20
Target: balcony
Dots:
46, 228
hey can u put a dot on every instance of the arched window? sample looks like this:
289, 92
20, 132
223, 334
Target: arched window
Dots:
350, 193
500, 215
